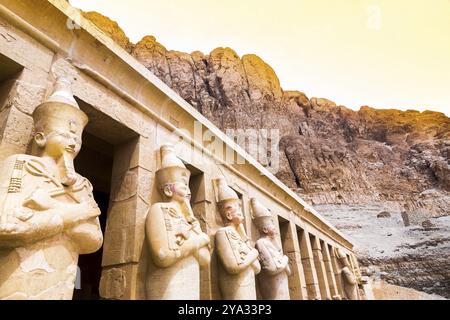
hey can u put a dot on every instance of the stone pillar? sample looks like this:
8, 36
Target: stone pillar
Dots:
312, 283
28, 64
248, 223
330, 272
291, 248
18, 99
320, 268
336, 270
355, 265
132, 181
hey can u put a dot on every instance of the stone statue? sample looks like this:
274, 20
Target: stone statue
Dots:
238, 263
348, 279
178, 247
48, 215
273, 279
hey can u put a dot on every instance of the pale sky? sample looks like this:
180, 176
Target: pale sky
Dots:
381, 53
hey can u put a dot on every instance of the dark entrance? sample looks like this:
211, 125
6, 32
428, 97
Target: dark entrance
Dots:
9, 72
95, 163
101, 138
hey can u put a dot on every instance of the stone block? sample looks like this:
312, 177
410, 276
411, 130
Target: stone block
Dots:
112, 283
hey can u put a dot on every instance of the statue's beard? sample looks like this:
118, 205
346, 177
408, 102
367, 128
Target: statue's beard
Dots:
184, 201
186, 207
67, 170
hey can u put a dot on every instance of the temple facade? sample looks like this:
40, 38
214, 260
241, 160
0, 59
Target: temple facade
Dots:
141, 139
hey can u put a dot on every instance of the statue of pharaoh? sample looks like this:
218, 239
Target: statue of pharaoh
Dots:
48, 215
238, 263
178, 247
348, 279
273, 279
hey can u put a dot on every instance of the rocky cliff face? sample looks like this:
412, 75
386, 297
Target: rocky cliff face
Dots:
361, 167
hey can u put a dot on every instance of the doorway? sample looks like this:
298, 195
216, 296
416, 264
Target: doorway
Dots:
10, 71
101, 138
94, 162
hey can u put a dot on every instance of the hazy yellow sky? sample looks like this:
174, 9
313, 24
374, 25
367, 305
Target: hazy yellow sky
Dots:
381, 53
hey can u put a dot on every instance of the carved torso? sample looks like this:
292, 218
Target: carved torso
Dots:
175, 224
39, 257
237, 244
275, 254
181, 279
240, 286
272, 286
350, 284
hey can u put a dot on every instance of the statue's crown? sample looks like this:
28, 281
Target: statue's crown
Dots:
172, 168
340, 254
259, 212
224, 192
60, 111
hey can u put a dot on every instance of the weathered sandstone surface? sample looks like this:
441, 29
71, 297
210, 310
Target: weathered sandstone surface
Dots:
381, 176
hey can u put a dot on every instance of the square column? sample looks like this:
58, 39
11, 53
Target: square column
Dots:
312, 283
335, 294
131, 185
336, 269
291, 248
19, 96
320, 268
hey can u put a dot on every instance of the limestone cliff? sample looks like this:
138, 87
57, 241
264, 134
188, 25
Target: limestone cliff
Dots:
381, 176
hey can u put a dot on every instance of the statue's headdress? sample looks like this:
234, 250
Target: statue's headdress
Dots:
224, 192
172, 168
260, 213
342, 257
60, 111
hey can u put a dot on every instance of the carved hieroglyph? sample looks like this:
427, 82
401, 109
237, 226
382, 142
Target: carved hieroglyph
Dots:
48, 215
348, 279
238, 263
178, 247
273, 279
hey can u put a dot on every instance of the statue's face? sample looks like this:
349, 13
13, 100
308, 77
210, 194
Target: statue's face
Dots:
179, 190
232, 210
59, 143
269, 228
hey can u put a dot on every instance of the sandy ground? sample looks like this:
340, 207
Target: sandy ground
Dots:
411, 256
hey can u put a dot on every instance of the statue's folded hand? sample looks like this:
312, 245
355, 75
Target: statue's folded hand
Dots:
11, 228
40, 200
288, 270
23, 213
204, 256
92, 203
72, 214
182, 232
88, 211
204, 239
256, 266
